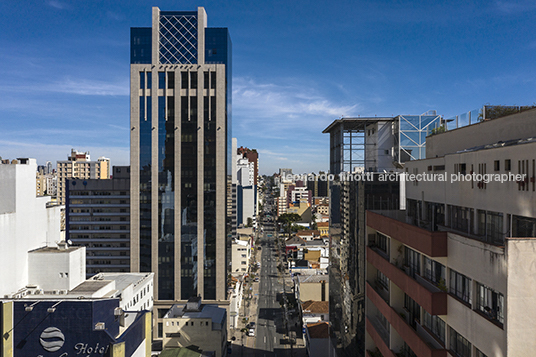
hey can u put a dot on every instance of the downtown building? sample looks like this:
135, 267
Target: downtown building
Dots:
357, 145
180, 157
98, 217
79, 165
451, 275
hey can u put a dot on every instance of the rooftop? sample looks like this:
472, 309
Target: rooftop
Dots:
312, 278
319, 307
355, 123
318, 330
213, 312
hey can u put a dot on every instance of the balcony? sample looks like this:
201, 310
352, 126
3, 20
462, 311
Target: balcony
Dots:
425, 294
408, 334
396, 225
378, 340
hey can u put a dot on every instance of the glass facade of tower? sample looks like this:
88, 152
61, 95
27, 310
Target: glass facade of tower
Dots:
178, 37
178, 153
145, 108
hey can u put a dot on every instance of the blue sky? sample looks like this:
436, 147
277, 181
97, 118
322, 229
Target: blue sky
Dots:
297, 66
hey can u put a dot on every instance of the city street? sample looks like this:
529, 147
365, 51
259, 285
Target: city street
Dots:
271, 335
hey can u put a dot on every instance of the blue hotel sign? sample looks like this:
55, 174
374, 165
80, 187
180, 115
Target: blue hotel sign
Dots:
69, 330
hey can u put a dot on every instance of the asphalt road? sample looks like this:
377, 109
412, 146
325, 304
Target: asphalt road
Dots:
270, 334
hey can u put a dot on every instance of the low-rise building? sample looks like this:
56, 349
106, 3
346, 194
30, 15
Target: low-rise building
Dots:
197, 324
317, 340
314, 311
311, 287
241, 255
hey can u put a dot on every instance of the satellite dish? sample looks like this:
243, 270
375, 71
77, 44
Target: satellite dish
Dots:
70, 242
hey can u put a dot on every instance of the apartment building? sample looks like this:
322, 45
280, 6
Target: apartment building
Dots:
98, 217
79, 165
359, 145
451, 274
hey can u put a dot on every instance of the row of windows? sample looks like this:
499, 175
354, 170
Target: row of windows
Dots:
488, 301
98, 193
187, 80
187, 323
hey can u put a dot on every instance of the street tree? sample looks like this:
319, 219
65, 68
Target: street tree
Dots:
288, 219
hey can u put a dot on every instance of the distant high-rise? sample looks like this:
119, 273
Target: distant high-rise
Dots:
180, 115
79, 166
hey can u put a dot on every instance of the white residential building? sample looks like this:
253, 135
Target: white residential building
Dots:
27, 222
453, 271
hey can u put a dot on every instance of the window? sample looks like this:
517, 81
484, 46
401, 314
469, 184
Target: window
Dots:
413, 309
171, 80
205, 80
412, 262
460, 286
490, 302
435, 325
382, 279
507, 165
435, 272
382, 242
193, 78
459, 344
523, 226
212, 80
461, 218
460, 168
184, 80
496, 165
161, 80
490, 226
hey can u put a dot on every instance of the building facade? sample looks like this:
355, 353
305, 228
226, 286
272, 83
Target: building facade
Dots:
27, 222
359, 145
79, 165
450, 274
180, 156
98, 217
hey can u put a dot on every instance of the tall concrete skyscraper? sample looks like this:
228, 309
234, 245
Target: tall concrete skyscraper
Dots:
180, 147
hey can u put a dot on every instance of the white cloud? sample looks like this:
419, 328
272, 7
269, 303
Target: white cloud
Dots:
57, 4
514, 7
90, 87
277, 107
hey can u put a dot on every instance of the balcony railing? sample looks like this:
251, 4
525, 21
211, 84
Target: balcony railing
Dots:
425, 294
396, 225
408, 334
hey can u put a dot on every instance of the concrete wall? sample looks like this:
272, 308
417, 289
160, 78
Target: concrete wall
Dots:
62, 270
496, 196
313, 291
511, 127
487, 265
25, 223
200, 334
521, 289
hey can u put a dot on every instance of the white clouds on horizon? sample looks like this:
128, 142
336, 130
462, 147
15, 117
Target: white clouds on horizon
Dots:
285, 107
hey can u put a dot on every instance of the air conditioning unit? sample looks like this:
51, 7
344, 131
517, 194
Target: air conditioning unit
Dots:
100, 326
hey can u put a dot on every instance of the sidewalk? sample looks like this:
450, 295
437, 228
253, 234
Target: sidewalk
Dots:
248, 311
